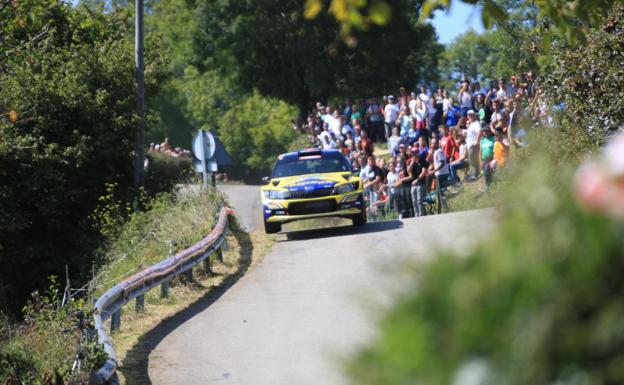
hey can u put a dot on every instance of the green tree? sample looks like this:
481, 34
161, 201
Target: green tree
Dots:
256, 131
570, 19
271, 47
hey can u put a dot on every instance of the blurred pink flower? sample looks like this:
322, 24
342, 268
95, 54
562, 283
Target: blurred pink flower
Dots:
599, 183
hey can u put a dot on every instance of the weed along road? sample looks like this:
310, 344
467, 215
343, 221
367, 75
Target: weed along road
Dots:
312, 299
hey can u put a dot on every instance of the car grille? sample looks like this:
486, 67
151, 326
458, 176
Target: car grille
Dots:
316, 193
312, 207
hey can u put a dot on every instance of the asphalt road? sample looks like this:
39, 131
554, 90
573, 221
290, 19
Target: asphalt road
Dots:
313, 299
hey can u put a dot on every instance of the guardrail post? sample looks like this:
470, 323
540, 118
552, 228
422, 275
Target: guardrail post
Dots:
189, 275
207, 265
115, 321
140, 303
164, 290
219, 253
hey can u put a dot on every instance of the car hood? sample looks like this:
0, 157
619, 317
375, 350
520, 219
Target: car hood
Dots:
311, 181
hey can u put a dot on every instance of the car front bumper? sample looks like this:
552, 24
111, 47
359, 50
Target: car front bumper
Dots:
283, 211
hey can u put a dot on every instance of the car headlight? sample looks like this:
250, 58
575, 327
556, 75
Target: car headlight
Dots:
276, 194
345, 188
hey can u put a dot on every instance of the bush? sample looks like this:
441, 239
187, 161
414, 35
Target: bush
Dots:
165, 171
41, 350
537, 303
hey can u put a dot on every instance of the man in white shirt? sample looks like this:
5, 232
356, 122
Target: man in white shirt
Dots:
440, 164
504, 92
423, 95
472, 142
391, 111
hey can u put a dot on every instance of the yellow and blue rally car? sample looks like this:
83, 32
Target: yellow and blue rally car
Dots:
312, 183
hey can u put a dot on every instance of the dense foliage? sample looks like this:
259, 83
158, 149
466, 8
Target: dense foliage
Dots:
588, 80
508, 50
66, 129
538, 302
568, 19
281, 54
41, 350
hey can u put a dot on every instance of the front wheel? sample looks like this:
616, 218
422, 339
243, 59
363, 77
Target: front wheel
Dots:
360, 219
272, 228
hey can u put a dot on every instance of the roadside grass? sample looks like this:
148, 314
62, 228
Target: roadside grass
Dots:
170, 224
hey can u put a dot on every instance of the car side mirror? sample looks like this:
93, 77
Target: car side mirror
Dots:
266, 179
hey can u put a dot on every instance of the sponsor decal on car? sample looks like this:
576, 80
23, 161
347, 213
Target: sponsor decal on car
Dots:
310, 184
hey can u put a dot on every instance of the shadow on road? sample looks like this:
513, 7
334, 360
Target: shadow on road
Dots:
135, 364
371, 227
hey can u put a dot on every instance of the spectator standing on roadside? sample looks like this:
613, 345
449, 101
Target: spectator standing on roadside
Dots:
348, 109
503, 90
440, 163
418, 175
374, 120
431, 113
465, 98
453, 114
484, 107
391, 178
499, 119
374, 177
366, 145
487, 153
423, 149
412, 135
391, 112
404, 120
472, 143
501, 149
420, 115
394, 142
447, 143
424, 97
461, 160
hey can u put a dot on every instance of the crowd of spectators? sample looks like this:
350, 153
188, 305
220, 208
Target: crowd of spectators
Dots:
165, 148
429, 137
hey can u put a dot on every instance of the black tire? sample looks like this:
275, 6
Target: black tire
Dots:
272, 228
360, 219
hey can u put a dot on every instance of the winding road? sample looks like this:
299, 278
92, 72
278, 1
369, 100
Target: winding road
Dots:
293, 318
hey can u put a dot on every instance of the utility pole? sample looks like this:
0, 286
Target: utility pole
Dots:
140, 96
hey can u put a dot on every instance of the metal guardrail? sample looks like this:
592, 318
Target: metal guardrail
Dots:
110, 303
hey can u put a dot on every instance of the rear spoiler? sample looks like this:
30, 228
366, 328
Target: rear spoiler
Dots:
309, 153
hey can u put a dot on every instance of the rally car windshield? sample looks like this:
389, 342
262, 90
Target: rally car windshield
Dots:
301, 166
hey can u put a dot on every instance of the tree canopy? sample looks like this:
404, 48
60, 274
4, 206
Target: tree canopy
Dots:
272, 47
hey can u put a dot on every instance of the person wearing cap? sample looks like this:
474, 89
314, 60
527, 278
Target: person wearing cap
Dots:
472, 144
391, 112
486, 145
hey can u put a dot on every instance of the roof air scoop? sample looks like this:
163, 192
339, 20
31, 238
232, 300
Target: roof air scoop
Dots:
275, 182
346, 176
